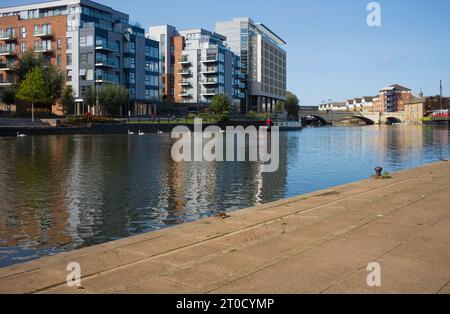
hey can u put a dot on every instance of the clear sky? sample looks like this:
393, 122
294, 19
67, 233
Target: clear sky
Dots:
332, 52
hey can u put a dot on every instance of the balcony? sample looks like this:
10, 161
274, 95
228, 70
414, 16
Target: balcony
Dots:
43, 49
184, 61
209, 92
7, 51
5, 83
7, 66
7, 36
210, 82
210, 70
239, 95
239, 75
106, 63
185, 94
210, 59
185, 72
107, 78
103, 45
42, 33
184, 83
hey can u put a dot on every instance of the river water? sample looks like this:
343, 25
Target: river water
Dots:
60, 193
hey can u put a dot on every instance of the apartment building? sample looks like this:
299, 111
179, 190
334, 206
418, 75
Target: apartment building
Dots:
196, 65
392, 99
263, 59
92, 43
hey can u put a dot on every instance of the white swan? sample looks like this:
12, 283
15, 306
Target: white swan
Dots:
20, 135
130, 132
160, 132
141, 133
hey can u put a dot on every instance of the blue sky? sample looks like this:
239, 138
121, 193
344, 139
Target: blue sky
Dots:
332, 53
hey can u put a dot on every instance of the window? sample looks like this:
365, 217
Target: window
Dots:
23, 32
59, 44
23, 47
69, 59
58, 60
69, 42
90, 75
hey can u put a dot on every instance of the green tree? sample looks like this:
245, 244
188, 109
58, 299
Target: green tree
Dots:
9, 97
67, 100
112, 97
279, 107
292, 104
220, 104
32, 89
90, 97
53, 77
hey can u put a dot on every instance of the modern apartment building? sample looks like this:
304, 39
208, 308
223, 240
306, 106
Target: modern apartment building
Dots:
92, 43
263, 59
196, 65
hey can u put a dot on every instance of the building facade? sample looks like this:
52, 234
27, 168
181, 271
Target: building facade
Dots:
393, 98
196, 66
419, 107
263, 59
91, 43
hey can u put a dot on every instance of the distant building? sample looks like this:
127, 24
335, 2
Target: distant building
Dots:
367, 103
419, 107
264, 61
393, 98
92, 44
197, 65
333, 106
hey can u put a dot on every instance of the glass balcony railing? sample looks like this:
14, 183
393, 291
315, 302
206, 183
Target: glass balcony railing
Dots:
5, 36
210, 82
209, 91
43, 32
185, 72
8, 66
210, 58
210, 70
106, 45
6, 50
42, 48
107, 78
106, 62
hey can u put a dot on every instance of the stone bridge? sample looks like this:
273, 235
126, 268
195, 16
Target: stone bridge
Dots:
329, 117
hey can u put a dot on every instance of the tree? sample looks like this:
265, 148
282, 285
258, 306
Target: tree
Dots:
220, 104
112, 97
90, 97
53, 77
292, 104
32, 89
279, 107
9, 97
67, 100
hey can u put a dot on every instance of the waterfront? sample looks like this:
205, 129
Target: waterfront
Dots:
66, 192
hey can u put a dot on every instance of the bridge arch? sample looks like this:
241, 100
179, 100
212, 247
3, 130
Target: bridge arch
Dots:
366, 120
319, 118
392, 120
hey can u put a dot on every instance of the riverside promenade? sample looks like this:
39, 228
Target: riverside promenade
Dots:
320, 242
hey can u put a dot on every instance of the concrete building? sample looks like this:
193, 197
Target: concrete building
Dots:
196, 66
92, 43
264, 61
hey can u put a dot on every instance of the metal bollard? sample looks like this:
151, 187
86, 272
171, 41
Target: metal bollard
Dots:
378, 171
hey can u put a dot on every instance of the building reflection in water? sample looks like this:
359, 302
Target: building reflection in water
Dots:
65, 192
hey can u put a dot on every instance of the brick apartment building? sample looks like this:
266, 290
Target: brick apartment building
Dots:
391, 99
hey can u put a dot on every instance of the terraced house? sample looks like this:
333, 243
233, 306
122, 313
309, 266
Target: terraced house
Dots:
92, 43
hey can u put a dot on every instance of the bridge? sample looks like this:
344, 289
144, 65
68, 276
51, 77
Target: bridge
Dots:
330, 117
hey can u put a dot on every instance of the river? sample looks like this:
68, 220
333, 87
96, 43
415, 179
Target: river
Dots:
60, 193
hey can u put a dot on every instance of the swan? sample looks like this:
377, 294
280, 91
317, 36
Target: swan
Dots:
130, 132
141, 133
20, 135
160, 132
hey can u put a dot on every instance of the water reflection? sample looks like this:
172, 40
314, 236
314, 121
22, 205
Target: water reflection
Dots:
65, 192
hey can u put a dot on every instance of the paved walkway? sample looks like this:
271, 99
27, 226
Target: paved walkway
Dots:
316, 243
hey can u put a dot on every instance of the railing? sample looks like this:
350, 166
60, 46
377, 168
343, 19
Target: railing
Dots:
42, 32
185, 72
6, 50
107, 78
210, 58
209, 91
107, 62
210, 81
42, 49
210, 70
8, 65
103, 44
7, 35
